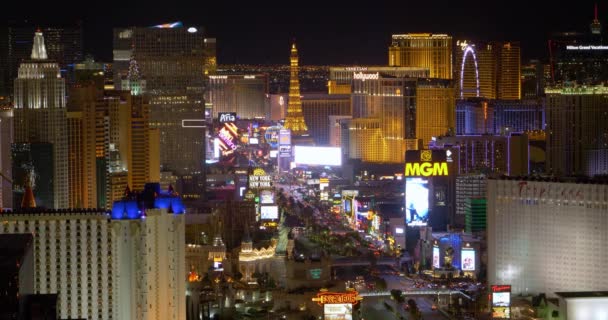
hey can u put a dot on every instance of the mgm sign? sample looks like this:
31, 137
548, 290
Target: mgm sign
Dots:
425, 163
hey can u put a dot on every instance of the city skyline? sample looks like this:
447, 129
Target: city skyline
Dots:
327, 35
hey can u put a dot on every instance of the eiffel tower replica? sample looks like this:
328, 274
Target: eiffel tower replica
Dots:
294, 120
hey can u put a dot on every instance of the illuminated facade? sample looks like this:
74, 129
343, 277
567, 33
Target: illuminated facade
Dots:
435, 109
294, 120
174, 61
340, 78
506, 155
474, 116
518, 115
577, 130
364, 140
390, 103
578, 57
546, 237
422, 50
336, 132
317, 109
64, 45
490, 70
252, 260
114, 138
40, 114
6, 139
103, 268
243, 94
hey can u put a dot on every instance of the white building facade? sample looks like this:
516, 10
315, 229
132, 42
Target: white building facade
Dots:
103, 268
547, 237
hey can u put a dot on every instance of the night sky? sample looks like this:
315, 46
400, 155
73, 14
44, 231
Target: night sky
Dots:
327, 32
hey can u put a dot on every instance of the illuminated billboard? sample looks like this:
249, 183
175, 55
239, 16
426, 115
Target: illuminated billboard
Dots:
426, 163
436, 263
228, 138
272, 136
260, 179
467, 259
341, 311
322, 156
416, 201
501, 301
266, 197
285, 137
269, 212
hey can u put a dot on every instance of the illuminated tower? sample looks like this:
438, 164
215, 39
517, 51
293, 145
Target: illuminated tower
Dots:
295, 119
422, 50
40, 119
596, 26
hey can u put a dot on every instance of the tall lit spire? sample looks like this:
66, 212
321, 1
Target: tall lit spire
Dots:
38, 49
596, 27
295, 120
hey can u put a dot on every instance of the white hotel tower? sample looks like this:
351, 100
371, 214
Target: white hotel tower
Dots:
40, 114
547, 237
129, 264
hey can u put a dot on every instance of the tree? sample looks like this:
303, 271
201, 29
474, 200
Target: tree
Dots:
414, 311
397, 295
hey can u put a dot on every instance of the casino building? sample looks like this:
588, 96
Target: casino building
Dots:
125, 264
429, 189
547, 236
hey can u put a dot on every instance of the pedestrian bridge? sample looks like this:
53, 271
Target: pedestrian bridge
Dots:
416, 293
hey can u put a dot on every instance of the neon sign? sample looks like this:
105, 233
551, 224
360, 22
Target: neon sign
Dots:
325, 297
426, 169
586, 47
366, 76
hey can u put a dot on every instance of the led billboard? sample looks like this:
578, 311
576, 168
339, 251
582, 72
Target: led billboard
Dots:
416, 201
501, 301
467, 259
266, 197
322, 156
285, 137
269, 212
436, 263
341, 311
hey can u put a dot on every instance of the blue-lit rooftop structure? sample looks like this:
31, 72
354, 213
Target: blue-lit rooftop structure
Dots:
134, 205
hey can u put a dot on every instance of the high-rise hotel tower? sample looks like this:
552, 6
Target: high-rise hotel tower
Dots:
39, 119
423, 50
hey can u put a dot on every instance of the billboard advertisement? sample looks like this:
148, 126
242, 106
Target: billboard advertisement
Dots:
436, 263
322, 156
501, 301
266, 197
228, 138
269, 212
285, 137
272, 136
338, 311
416, 201
467, 259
